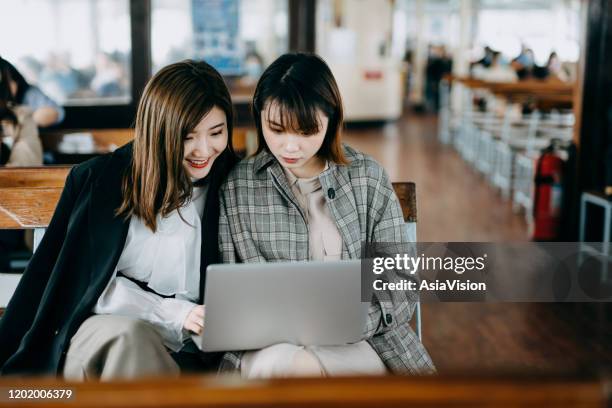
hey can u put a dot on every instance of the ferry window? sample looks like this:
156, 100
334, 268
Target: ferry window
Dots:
79, 53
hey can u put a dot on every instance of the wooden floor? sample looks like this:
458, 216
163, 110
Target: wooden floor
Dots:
456, 204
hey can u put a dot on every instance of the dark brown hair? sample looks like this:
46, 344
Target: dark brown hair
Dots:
173, 103
9, 73
8, 101
300, 84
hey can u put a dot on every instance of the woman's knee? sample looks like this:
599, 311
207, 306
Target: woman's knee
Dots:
280, 360
104, 335
306, 364
110, 347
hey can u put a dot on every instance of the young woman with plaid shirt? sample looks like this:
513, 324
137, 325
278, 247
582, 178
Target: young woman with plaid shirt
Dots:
306, 196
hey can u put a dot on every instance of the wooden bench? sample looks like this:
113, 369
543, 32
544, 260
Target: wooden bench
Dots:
356, 392
34, 177
28, 197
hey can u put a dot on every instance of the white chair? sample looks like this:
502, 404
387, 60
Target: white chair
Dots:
522, 197
516, 136
444, 114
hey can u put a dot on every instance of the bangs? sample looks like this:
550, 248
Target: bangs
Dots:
292, 94
294, 112
198, 105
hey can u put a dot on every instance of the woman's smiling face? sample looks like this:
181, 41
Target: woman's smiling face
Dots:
205, 143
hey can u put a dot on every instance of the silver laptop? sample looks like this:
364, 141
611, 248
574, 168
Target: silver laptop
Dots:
251, 306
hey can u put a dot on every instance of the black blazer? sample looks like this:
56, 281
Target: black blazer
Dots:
76, 259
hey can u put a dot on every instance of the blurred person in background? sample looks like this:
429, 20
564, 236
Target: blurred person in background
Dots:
555, 69
497, 71
58, 78
524, 63
409, 66
17, 91
253, 64
19, 145
438, 65
486, 59
110, 76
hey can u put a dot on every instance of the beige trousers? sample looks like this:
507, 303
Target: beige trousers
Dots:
109, 347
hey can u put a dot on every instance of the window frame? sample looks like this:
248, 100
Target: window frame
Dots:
301, 32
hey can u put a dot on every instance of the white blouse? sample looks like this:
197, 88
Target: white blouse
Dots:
168, 261
324, 239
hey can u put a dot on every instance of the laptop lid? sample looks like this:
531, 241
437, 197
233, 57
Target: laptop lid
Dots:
252, 306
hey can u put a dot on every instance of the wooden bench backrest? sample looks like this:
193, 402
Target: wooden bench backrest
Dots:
34, 177
29, 195
406, 193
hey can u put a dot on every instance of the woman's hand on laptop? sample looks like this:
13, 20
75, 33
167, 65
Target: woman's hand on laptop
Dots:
195, 320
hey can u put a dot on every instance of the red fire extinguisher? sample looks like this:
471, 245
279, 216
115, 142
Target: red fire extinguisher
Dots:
547, 196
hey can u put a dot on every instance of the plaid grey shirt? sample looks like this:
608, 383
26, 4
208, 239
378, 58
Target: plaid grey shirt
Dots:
261, 221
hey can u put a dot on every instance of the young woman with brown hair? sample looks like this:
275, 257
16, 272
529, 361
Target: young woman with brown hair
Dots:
116, 285
306, 196
19, 141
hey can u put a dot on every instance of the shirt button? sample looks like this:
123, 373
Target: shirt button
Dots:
388, 318
331, 193
56, 332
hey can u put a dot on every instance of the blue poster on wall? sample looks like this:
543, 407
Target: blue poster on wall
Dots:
215, 34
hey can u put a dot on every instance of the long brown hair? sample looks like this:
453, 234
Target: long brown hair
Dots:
300, 84
173, 103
